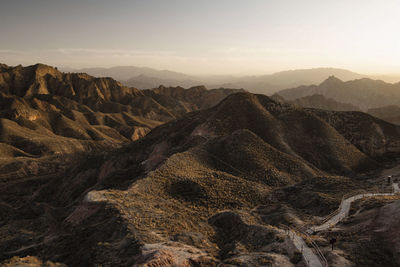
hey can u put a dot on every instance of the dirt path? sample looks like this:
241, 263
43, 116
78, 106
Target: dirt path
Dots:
344, 208
310, 257
308, 254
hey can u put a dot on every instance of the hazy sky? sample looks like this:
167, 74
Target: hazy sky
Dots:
203, 37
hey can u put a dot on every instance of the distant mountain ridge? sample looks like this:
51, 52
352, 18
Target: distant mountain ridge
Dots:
142, 77
389, 113
319, 102
122, 73
146, 82
270, 84
363, 93
146, 78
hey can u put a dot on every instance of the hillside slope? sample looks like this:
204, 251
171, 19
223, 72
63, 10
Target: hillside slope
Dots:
45, 112
199, 189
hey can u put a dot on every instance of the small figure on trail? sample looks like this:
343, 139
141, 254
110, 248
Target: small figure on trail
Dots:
332, 241
389, 179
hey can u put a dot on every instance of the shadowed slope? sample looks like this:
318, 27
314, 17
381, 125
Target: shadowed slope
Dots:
291, 130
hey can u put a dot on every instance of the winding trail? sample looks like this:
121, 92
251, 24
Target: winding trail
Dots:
344, 209
308, 254
311, 258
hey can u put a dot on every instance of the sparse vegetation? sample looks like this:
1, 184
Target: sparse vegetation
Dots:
212, 185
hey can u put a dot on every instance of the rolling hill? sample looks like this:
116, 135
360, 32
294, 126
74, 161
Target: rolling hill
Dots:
199, 189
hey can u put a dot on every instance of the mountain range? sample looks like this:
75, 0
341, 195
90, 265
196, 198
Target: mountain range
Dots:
200, 189
94, 173
145, 78
362, 93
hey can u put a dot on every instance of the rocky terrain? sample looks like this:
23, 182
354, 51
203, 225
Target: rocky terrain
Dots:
44, 112
209, 186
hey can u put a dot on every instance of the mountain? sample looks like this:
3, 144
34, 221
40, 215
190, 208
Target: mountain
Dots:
145, 78
362, 93
209, 187
142, 77
270, 84
46, 112
146, 82
123, 73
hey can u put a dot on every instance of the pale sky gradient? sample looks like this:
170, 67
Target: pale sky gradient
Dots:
203, 37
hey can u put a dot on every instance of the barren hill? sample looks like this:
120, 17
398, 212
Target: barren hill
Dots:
45, 112
197, 190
